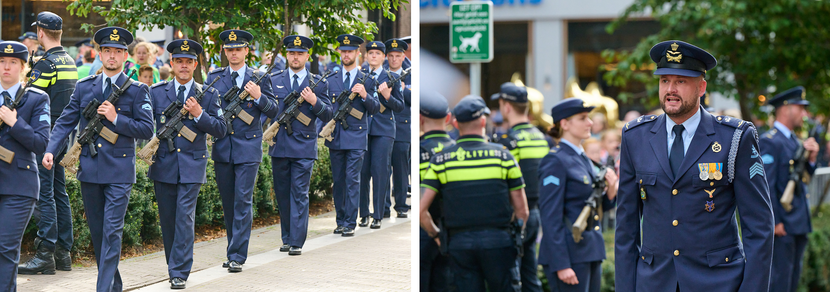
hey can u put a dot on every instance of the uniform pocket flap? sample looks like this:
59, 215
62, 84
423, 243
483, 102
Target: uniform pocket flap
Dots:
724, 256
253, 134
698, 183
27, 165
201, 154
123, 152
646, 256
646, 179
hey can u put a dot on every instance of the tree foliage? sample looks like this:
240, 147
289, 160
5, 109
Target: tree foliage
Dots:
762, 47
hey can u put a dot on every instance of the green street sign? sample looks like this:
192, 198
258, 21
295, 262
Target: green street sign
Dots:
471, 31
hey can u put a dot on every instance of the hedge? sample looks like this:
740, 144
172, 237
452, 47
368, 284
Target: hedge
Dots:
141, 223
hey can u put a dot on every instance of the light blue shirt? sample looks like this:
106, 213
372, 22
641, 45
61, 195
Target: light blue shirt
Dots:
12, 92
240, 77
300, 76
580, 152
352, 76
690, 127
187, 87
377, 72
113, 80
783, 129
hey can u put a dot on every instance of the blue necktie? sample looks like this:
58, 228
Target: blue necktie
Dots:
180, 96
676, 155
6, 99
235, 75
107, 89
296, 85
347, 82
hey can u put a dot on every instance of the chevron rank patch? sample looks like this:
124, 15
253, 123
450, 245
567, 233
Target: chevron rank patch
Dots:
550, 180
756, 169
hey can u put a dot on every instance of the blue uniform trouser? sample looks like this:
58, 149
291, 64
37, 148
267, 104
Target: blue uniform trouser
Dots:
345, 171
484, 255
105, 206
177, 214
589, 275
15, 212
527, 264
400, 177
54, 214
236, 187
291, 180
787, 254
435, 268
376, 165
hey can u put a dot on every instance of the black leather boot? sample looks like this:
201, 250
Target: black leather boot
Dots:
63, 260
43, 262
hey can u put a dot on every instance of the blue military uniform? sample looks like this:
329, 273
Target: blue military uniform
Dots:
293, 154
107, 178
566, 177
403, 132
777, 148
434, 266
180, 172
18, 168
473, 180
237, 155
676, 225
348, 146
377, 163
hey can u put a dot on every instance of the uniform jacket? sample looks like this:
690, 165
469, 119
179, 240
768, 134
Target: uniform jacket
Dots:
357, 135
303, 142
776, 151
188, 161
56, 74
683, 242
383, 123
244, 144
115, 163
432, 143
403, 119
28, 137
528, 146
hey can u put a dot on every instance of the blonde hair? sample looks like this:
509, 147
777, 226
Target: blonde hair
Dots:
151, 49
589, 141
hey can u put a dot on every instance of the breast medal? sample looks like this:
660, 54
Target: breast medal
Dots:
704, 171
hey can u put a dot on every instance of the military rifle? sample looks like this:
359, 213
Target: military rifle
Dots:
798, 168
593, 205
345, 99
6, 154
236, 96
392, 81
292, 111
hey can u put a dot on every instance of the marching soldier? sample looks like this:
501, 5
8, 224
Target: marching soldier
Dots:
434, 119
778, 149
481, 192
23, 133
376, 162
680, 174
54, 73
347, 147
400, 148
528, 146
237, 155
108, 174
294, 151
567, 183
180, 172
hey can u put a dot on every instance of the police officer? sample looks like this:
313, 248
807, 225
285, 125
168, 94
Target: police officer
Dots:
400, 148
480, 188
55, 74
434, 119
237, 155
567, 178
30, 40
23, 133
293, 154
83, 46
777, 149
680, 174
347, 147
107, 178
528, 146
180, 172
377, 163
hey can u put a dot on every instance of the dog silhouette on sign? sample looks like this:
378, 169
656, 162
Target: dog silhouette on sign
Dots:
471, 42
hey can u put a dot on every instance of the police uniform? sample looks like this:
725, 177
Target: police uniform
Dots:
434, 267
528, 146
348, 146
403, 132
18, 168
107, 178
179, 172
566, 178
777, 149
377, 164
293, 154
473, 180
55, 74
678, 193
237, 155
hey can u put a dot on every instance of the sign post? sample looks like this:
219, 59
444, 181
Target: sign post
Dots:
471, 37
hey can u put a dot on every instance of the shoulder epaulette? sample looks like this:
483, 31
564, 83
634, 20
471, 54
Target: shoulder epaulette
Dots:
639, 121
90, 77
554, 149
730, 121
160, 83
35, 90
771, 133
217, 70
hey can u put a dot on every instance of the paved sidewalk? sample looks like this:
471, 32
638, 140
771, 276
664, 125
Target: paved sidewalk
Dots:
372, 260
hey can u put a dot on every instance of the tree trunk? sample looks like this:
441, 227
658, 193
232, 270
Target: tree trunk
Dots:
743, 97
202, 65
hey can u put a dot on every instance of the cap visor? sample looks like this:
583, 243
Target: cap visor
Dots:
347, 48
296, 50
184, 56
495, 96
679, 72
119, 46
234, 45
34, 23
801, 102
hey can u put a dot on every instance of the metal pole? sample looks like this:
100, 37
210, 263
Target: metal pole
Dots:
475, 79
22, 16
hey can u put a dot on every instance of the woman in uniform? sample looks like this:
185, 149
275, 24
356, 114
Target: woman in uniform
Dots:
24, 131
567, 177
